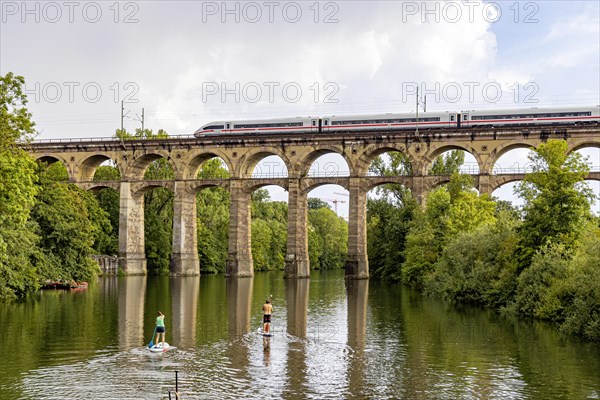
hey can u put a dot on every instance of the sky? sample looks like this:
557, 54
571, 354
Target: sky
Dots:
187, 63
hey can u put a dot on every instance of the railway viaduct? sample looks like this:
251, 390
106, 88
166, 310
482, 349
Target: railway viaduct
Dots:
82, 157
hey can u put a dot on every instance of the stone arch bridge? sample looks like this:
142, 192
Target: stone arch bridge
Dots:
82, 157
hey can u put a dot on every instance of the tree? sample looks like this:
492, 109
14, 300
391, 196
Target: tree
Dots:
557, 201
332, 239
448, 164
212, 208
15, 120
17, 191
450, 210
108, 200
387, 228
315, 203
65, 228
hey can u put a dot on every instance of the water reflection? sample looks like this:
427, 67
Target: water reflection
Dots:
184, 306
132, 296
239, 299
357, 293
296, 295
336, 339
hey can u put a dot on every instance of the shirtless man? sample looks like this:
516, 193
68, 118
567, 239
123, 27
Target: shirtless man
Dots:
267, 310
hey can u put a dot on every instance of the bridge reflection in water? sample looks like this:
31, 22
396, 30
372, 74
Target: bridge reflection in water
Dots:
334, 338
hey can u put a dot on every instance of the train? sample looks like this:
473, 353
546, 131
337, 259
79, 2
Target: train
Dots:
390, 121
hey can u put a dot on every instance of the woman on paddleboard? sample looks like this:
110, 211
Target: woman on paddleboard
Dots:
160, 328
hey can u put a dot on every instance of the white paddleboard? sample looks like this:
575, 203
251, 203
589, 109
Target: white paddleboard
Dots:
158, 348
260, 332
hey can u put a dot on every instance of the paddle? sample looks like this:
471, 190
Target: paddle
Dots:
152, 340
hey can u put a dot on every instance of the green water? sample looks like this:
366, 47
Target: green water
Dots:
333, 339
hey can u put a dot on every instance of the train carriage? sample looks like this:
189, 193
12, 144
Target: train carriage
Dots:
279, 125
390, 121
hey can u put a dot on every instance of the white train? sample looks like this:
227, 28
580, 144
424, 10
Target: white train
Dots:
430, 120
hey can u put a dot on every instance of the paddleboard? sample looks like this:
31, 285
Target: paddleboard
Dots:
157, 348
260, 332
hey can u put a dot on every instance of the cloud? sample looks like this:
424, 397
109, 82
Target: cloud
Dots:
362, 62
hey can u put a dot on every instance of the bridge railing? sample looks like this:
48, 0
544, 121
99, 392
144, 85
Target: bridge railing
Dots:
103, 139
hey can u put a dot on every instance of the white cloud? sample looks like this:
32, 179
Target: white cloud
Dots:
369, 54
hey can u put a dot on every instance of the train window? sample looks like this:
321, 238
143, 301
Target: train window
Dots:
326, 120
213, 127
269, 125
227, 126
534, 115
452, 118
314, 123
385, 121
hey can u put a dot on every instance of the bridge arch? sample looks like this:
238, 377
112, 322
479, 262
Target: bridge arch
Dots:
250, 160
428, 158
371, 184
309, 184
141, 187
305, 163
96, 186
375, 150
197, 187
193, 163
581, 144
502, 149
54, 158
139, 165
87, 168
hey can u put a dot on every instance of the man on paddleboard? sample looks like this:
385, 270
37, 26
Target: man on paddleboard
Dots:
267, 310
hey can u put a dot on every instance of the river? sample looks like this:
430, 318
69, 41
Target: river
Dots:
333, 339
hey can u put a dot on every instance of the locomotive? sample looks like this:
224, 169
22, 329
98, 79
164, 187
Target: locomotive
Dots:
391, 121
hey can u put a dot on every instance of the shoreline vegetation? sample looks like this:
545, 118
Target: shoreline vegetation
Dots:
539, 261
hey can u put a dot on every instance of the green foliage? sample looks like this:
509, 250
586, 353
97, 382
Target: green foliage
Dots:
56, 172
534, 296
422, 250
557, 202
212, 219
19, 274
328, 246
477, 265
268, 244
66, 230
158, 217
448, 164
387, 228
315, 203
18, 189
140, 134
269, 232
17, 186
108, 201
399, 164
15, 119
107, 173
451, 210
580, 296
469, 211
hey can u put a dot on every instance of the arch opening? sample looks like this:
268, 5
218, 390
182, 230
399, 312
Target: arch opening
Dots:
327, 226
453, 160
268, 166
329, 165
